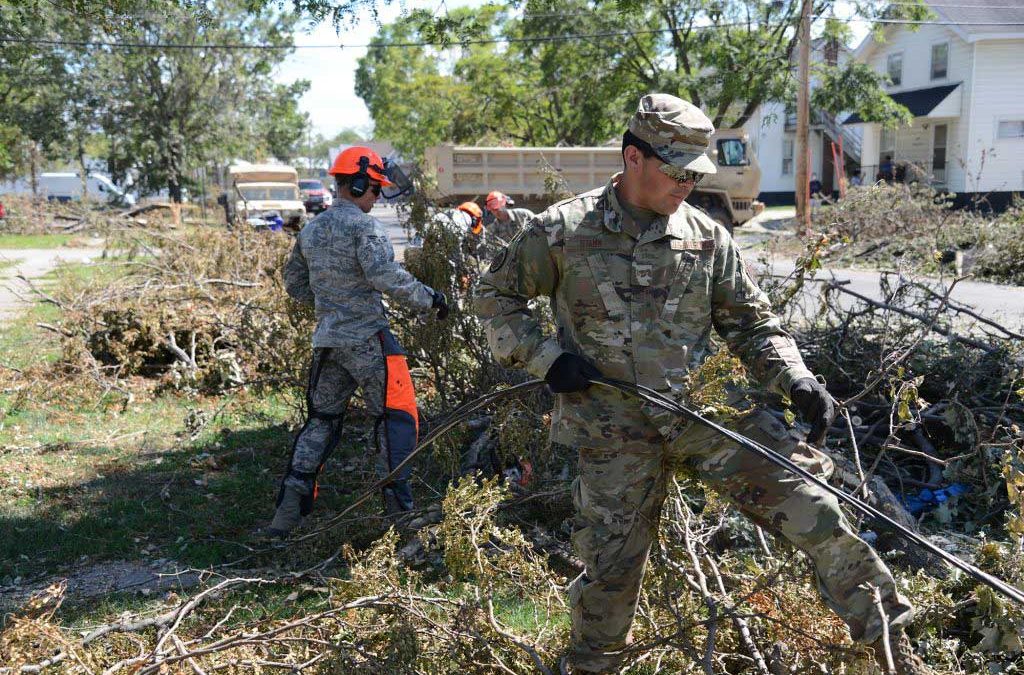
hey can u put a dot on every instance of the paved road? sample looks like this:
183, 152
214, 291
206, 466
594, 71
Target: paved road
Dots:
388, 216
1004, 304
32, 264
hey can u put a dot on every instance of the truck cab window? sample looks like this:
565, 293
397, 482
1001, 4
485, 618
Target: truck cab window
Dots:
732, 152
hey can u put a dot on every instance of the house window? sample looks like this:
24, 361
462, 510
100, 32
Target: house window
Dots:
787, 157
894, 67
1010, 129
940, 61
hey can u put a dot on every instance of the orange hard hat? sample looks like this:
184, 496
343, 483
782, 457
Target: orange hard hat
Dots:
348, 162
496, 200
472, 208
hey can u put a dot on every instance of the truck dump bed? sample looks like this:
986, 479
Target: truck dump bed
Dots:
528, 174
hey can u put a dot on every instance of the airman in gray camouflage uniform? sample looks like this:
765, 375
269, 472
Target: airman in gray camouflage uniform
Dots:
341, 264
638, 279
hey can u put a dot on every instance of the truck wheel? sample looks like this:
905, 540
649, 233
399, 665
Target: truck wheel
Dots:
721, 216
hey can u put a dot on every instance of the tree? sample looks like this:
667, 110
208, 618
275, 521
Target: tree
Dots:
536, 87
282, 126
31, 99
531, 90
172, 110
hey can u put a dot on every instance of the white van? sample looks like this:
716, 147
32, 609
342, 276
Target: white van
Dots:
67, 186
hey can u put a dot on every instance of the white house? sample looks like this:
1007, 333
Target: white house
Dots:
772, 133
964, 85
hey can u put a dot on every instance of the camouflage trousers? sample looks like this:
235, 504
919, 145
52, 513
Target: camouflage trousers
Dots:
377, 368
618, 498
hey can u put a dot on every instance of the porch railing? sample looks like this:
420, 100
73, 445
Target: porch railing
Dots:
906, 171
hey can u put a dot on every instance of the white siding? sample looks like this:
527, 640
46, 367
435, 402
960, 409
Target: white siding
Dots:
767, 133
998, 94
917, 56
869, 150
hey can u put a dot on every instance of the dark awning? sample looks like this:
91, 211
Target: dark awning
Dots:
920, 102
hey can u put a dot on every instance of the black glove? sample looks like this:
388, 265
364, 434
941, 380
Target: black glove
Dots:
570, 372
441, 305
815, 405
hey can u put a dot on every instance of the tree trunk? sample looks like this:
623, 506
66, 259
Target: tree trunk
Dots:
83, 172
33, 154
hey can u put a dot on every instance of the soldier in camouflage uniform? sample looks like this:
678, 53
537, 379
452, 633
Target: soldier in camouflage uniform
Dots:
638, 279
341, 264
506, 222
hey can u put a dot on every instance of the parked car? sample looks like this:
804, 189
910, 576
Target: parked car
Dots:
315, 197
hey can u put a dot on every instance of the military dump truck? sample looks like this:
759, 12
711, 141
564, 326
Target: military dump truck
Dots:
258, 192
467, 172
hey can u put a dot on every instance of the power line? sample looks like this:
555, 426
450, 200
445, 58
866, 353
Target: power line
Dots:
456, 43
952, 5
925, 5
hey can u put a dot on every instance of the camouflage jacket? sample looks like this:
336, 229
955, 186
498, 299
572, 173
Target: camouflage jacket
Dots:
518, 220
342, 263
640, 307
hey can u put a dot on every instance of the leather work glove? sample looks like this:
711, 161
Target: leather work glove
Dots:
441, 305
815, 405
569, 373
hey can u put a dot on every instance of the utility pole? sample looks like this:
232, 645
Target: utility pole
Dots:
803, 114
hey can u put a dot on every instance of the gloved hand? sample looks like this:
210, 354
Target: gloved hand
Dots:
815, 405
441, 305
570, 372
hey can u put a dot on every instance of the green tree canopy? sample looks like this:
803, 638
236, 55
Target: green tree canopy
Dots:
138, 80
535, 86
527, 91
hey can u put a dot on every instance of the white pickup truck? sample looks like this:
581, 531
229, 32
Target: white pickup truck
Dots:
469, 172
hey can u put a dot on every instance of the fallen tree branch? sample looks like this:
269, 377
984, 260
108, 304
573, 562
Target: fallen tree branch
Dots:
933, 325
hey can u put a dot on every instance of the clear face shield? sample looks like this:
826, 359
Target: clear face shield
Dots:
402, 184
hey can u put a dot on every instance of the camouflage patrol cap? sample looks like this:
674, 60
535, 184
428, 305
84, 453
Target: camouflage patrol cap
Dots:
677, 130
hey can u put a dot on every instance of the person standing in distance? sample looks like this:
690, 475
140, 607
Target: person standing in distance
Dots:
342, 264
507, 221
638, 279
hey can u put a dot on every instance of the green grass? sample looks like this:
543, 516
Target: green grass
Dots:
23, 343
21, 241
89, 473
99, 483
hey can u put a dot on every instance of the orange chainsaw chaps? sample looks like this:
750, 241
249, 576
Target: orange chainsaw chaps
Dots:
399, 394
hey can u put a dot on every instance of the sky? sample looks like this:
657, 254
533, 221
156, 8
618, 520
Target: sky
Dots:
331, 101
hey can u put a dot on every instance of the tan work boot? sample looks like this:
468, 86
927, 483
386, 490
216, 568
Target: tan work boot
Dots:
287, 517
905, 660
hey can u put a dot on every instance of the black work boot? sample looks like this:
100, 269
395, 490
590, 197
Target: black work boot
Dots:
904, 659
288, 515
